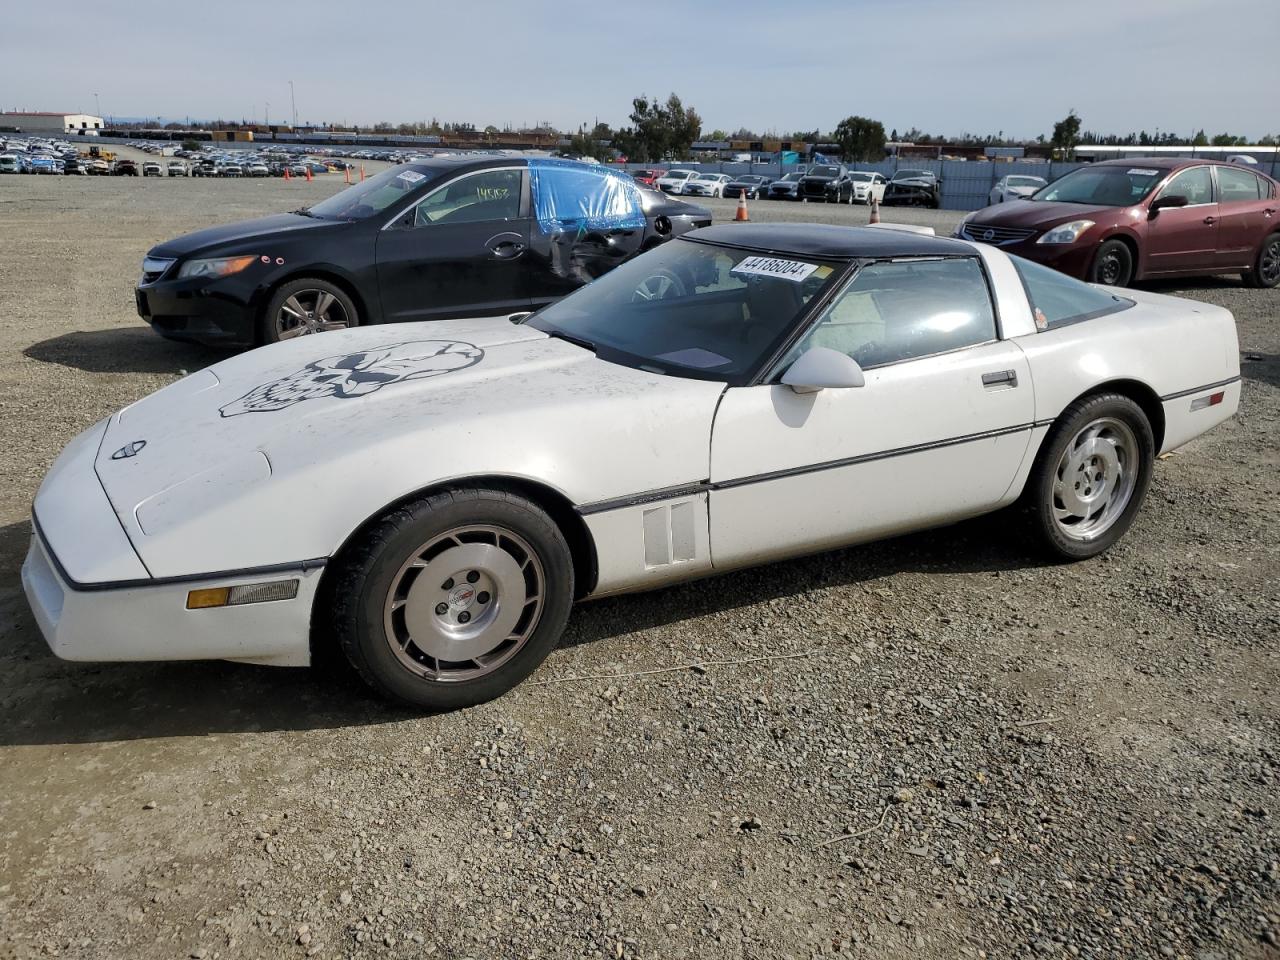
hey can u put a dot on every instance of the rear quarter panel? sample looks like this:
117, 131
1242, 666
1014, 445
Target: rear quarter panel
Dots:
1176, 348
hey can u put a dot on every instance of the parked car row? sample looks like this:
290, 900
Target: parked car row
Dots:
826, 183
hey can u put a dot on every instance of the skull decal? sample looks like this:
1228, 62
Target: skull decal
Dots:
357, 374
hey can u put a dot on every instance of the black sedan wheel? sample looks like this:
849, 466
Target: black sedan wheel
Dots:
1113, 264
1266, 269
306, 306
451, 600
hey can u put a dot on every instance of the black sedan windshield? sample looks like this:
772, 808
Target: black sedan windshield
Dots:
371, 197
691, 309
913, 175
1117, 186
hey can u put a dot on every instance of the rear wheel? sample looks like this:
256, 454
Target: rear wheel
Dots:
1112, 264
453, 599
306, 306
1266, 269
1091, 476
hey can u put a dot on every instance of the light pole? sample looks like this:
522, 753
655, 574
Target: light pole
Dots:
97, 105
294, 104
266, 115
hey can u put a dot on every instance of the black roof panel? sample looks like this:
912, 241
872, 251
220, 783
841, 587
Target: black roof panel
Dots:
828, 241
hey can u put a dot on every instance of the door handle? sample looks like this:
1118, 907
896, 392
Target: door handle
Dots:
999, 378
507, 249
1269, 211
1211, 220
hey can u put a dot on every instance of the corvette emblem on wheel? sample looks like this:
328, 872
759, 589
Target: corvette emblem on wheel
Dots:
357, 374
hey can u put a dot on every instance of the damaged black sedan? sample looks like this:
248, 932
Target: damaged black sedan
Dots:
917, 188
449, 236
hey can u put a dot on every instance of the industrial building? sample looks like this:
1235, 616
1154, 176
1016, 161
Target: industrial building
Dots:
43, 122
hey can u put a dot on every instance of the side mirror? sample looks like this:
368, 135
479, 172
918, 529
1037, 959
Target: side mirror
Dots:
821, 367
1169, 200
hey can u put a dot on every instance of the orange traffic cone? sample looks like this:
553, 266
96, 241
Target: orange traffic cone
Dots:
347, 172
740, 216
309, 177
362, 173
875, 211
286, 174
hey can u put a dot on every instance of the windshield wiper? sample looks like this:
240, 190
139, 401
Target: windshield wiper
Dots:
304, 212
582, 342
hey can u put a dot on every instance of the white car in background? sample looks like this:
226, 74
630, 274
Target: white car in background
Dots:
706, 185
1015, 186
674, 180
787, 389
866, 185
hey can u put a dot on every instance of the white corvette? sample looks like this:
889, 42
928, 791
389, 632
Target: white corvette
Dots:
432, 498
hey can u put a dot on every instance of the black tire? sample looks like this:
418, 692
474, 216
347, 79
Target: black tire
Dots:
1112, 264
1265, 274
269, 329
357, 591
1039, 496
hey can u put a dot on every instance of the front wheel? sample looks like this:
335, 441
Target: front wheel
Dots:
305, 306
452, 600
1112, 265
1266, 269
1091, 476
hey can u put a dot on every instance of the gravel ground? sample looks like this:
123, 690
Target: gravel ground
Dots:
970, 754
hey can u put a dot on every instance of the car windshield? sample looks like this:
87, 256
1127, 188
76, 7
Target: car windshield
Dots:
690, 309
792, 177
371, 197
912, 175
1025, 182
708, 176
824, 172
1111, 186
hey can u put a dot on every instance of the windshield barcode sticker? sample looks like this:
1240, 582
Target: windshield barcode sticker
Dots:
771, 267
1142, 172
411, 176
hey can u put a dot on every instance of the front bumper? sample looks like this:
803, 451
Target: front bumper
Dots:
910, 195
139, 621
1073, 259
198, 311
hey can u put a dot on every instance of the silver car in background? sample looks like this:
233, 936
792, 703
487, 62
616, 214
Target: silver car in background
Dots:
1015, 186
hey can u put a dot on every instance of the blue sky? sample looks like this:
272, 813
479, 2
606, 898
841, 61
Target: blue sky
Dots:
946, 66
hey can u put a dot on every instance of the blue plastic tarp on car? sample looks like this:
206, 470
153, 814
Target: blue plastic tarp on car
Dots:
572, 196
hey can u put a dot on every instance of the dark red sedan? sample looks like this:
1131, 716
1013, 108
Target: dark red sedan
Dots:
1124, 220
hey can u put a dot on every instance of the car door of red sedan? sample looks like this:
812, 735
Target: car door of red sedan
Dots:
1184, 238
1249, 212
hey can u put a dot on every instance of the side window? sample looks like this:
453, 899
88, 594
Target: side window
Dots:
488, 195
1237, 185
1057, 299
902, 310
1194, 183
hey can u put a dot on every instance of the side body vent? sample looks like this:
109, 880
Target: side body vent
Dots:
668, 534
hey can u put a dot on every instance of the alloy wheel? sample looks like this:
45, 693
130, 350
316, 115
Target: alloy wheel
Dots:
1095, 479
464, 603
1269, 263
311, 311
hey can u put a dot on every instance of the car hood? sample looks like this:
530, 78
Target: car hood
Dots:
231, 233
1040, 214
913, 182
268, 441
